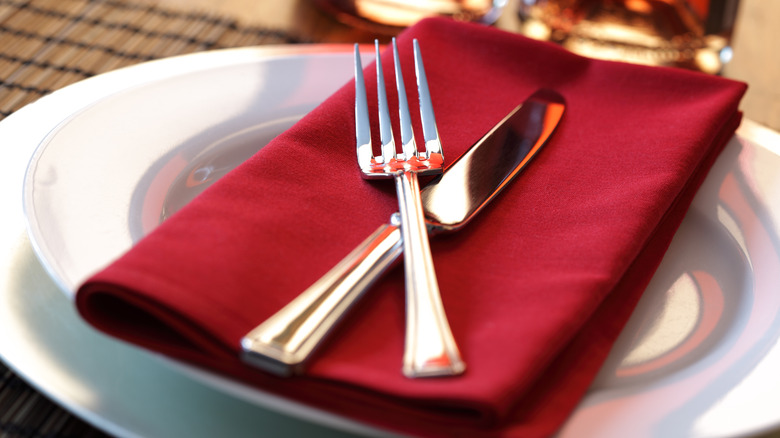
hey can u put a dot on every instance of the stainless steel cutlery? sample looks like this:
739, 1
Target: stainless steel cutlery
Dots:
284, 342
430, 348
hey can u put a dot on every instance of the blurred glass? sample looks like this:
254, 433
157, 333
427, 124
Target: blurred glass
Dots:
693, 34
390, 16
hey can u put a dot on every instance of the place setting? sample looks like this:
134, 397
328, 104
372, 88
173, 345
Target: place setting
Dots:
211, 243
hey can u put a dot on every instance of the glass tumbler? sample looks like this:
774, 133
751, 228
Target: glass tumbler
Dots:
692, 34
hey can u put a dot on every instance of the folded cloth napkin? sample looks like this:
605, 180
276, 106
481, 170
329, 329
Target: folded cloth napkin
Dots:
536, 288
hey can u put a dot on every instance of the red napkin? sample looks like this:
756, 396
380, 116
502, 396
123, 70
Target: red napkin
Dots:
536, 288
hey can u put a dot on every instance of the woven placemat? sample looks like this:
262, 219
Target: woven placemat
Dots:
48, 44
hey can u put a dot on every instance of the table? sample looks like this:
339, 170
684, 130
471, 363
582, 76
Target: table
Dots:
47, 44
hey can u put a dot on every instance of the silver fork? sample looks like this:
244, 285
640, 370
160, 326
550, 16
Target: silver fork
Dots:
430, 348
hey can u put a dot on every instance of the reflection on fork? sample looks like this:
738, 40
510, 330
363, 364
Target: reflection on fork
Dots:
430, 348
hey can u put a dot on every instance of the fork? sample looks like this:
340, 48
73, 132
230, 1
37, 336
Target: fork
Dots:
430, 349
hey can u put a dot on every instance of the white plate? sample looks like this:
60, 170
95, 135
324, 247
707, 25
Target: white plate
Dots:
698, 358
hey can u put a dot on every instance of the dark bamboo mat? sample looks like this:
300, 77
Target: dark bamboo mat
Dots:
48, 44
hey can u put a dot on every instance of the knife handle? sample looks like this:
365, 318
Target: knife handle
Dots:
284, 342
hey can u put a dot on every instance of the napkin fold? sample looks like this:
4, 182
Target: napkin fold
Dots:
536, 288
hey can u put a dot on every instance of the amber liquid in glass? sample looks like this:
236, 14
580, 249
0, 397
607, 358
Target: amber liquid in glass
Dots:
692, 34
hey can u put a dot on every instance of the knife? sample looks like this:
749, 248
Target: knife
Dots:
284, 342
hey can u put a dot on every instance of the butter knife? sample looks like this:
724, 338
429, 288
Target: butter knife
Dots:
284, 342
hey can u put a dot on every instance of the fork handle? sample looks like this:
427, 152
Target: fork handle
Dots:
283, 342
430, 348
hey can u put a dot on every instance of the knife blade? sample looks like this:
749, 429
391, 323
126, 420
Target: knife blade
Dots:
284, 342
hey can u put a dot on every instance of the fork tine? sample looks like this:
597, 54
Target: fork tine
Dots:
430, 132
362, 126
385, 128
408, 145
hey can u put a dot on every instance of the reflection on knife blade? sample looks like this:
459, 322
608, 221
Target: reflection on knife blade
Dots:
284, 342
